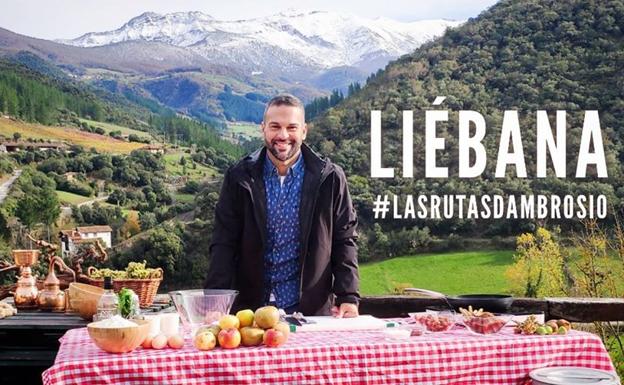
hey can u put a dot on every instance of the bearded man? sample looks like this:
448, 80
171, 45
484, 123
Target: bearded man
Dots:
285, 226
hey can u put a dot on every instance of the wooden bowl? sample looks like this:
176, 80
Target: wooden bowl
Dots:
84, 298
86, 309
119, 340
83, 291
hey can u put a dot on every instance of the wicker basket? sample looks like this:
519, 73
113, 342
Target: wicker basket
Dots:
145, 288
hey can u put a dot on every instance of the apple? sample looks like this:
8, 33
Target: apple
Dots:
245, 317
159, 341
283, 327
566, 324
251, 336
205, 341
273, 338
229, 338
175, 341
214, 329
229, 322
266, 317
553, 324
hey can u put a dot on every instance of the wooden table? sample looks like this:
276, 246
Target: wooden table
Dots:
29, 342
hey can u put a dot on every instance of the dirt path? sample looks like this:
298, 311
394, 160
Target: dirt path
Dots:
6, 186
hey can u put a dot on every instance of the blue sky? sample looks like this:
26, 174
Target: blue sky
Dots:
54, 19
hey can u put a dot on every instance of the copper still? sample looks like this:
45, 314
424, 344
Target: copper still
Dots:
26, 291
52, 298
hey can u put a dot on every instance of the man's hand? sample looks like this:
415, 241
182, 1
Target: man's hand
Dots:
346, 310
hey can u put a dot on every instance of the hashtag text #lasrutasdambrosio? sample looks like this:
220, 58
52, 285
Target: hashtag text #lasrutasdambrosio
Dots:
489, 206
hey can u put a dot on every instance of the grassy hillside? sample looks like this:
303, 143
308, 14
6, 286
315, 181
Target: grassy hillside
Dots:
247, 130
70, 135
35, 97
173, 167
108, 127
65, 197
452, 273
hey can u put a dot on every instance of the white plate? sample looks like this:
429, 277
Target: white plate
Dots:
568, 375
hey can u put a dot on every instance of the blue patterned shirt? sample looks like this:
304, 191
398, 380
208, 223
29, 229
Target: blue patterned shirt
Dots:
281, 257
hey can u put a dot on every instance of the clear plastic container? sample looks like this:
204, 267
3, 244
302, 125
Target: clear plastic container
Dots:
487, 325
435, 321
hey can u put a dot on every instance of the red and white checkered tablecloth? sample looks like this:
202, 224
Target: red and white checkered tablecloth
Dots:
357, 357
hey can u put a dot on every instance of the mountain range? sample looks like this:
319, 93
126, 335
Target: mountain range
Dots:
217, 69
279, 44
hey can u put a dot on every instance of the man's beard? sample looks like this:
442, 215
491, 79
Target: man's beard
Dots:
283, 156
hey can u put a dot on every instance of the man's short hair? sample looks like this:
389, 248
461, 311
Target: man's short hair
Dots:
284, 100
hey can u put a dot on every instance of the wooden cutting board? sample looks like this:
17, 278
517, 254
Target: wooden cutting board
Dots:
329, 323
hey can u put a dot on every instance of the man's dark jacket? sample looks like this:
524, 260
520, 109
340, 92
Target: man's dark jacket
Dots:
327, 227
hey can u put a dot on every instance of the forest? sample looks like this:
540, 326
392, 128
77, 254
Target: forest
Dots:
518, 55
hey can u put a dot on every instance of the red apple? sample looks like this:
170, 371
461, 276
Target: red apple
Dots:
273, 338
229, 338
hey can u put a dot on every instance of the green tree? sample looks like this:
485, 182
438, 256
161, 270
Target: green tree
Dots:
49, 208
27, 211
165, 247
147, 220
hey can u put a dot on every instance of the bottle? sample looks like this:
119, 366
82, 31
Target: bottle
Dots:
108, 305
136, 308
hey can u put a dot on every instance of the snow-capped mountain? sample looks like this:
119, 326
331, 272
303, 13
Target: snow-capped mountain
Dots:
288, 42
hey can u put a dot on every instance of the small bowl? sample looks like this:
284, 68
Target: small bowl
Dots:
435, 321
487, 325
119, 340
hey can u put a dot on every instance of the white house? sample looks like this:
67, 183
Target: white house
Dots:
85, 234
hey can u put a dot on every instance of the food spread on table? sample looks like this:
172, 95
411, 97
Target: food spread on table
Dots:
207, 324
483, 322
246, 328
209, 337
531, 326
